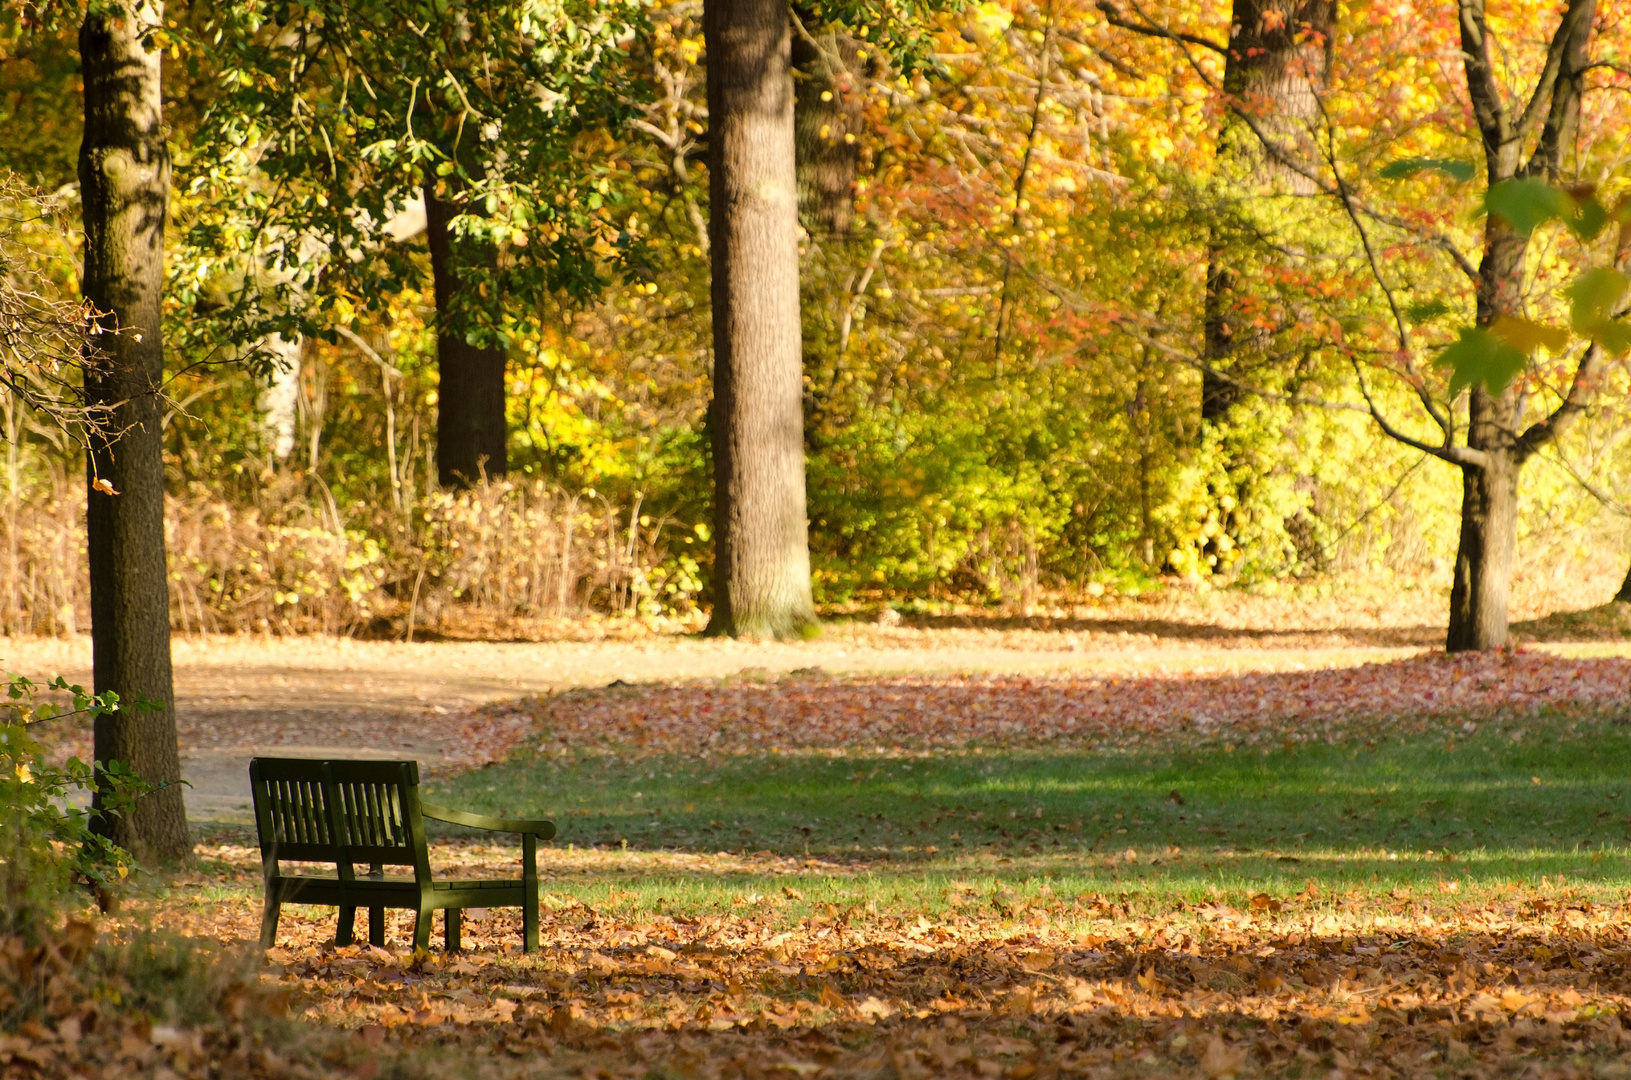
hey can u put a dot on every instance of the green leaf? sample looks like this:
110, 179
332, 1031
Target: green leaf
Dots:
1479, 356
1529, 336
1410, 166
1427, 310
1588, 218
1614, 336
1528, 204
1594, 297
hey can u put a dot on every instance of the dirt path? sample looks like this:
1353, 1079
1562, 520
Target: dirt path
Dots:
240, 696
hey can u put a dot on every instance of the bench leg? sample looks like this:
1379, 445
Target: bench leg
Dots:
347, 925
376, 927
421, 928
450, 929
529, 892
269, 919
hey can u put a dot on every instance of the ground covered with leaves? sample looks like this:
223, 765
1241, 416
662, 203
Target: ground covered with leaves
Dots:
1413, 869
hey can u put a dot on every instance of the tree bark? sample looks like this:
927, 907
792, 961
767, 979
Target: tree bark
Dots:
124, 174
472, 430
1218, 393
761, 533
827, 126
1277, 61
1489, 522
1489, 492
1481, 588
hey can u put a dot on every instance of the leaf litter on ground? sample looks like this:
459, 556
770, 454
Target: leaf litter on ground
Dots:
775, 968
809, 711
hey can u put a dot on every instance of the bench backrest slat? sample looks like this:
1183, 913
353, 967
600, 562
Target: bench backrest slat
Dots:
339, 811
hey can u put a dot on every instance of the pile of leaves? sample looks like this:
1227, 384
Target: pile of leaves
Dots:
75, 1004
808, 711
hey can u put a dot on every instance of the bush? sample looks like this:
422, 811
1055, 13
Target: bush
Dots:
47, 844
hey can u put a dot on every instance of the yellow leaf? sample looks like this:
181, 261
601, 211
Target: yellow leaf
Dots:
1512, 1000
1528, 336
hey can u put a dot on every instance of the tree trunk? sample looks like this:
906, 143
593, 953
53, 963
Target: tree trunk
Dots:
827, 126
1489, 492
1278, 58
1483, 560
472, 431
279, 400
124, 175
1489, 504
1218, 393
761, 534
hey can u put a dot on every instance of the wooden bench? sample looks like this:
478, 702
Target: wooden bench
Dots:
368, 812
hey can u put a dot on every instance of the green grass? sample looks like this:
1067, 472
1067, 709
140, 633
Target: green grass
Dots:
905, 830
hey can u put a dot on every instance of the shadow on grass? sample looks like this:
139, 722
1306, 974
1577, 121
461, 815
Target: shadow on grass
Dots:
1484, 807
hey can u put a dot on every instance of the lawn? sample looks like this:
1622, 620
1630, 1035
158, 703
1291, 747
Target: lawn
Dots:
1427, 896
1481, 812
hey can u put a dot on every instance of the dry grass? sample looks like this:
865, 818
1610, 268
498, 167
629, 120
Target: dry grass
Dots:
504, 560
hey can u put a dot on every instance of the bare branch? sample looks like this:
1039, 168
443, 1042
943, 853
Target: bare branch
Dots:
1462, 456
1150, 28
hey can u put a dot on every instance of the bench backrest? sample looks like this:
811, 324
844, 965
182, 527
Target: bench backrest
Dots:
339, 811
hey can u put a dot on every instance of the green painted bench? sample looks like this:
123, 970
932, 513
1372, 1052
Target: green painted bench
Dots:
368, 812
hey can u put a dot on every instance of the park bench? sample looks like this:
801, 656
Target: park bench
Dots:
368, 812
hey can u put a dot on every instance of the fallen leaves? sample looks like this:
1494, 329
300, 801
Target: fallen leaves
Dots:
986, 989
1464, 691
1014, 978
1222, 1060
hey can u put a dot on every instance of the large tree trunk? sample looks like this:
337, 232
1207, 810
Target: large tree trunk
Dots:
827, 126
124, 175
761, 534
1278, 59
472, 431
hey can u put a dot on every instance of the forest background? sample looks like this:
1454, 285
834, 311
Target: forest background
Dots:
1009, 214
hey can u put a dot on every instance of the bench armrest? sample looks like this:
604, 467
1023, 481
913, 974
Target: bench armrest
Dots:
542, 829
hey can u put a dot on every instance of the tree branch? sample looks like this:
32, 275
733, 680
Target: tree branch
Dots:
1462, 456
1150, 28
1564, 61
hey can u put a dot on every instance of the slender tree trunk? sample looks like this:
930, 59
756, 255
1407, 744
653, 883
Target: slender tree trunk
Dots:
472, 431
124, 175
1218, 393
761, 533
279, 400
1489, 493
1483, 560
1489, 500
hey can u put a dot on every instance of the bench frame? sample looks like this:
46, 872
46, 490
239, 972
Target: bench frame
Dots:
350, 812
